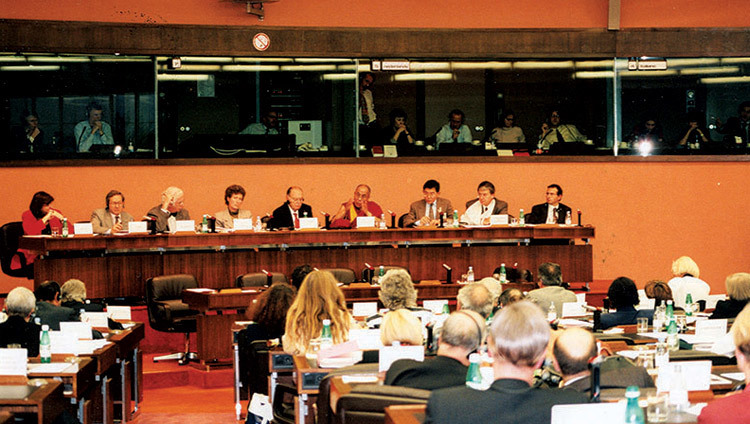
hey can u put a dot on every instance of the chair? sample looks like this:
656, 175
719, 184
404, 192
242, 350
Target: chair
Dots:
325, 414
9, 235
366, 403
167, 312
401, 220
343, 275
259, 279
377, 270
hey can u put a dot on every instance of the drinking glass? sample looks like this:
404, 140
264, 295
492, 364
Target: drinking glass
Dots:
658, 408
641, 325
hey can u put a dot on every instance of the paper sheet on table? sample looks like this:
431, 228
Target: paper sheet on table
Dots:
96, 319
436, 306
87, 347
573, 309
366, 339
201, 290
647, 304
713, 299
609, 412
570, 322
79, 330
13, 361
737, 376
697, 375
119, 312
581, 297
360, 378
51, 368
711, 329
364, 309
365, 222
715, 379
633, 354
614, 330
388, 354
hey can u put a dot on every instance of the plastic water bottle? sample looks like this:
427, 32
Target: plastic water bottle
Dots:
382, 221
45, 349
455, 218
503, 274
633, 412
689, 306
258, 225
65, 227
673, 340
568, 219
470, 275
521, 218
678, 394
551, 312
326, 339
204, 224
473, 375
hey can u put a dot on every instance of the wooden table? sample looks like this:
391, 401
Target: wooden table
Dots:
405, 414
46, 401
79, 380
117, 266
129, 376
307, 380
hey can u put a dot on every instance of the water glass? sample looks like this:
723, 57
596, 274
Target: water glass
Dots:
657, 410
641, 325
55, 231
681, 321
661, 356
645, 360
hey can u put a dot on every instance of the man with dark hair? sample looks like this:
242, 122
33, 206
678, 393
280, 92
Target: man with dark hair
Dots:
554, 131
455, 131
737, 129
288, 214
424, 213
550, 277
299, 274
48, 308
479, 210
234, 195
112, 218
462, 334
92, 130
551, 212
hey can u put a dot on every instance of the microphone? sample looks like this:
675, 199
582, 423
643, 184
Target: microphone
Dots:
328, 219
81, 136
448, 272
151, 224
579, 218
269, 277
369, 273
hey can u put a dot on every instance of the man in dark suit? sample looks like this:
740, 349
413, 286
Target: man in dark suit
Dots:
288, 214
461, 334
17, 330
479, 210
517, 342
48, 308
552, 212
424, 213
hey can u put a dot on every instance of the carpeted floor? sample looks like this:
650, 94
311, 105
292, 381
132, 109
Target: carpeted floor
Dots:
187, 404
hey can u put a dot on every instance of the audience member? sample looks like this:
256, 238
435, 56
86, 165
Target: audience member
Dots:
517, 343
268, 125
234, 195
623, 297
686, 280
738, 290
18, 329
299, 274
401, 326
358, 205
398, 133
462, 334
479, 210
112, 218
509, 296
553, 131
73, 296
93, 130
455, 131
319, 298
427, 212
397, 290
288, 214
659, 291
494, 287
508, 133
550, 277
268, 312
551, 212
475, 297
172, 207
48, 308
39, 219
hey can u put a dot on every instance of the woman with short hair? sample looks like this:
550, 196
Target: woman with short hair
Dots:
738, 290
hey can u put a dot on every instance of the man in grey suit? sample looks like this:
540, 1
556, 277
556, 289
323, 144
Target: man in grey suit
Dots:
550, 278
425, 213
112, 219
172, 206
479, 210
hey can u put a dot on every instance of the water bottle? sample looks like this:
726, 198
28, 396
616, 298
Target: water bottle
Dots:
455, 218
670, 310
446, 309
473, 375
470, 275
326, 339
678, 394
521, 218
673, 340
45, 349
258, 225
633, 412
551, 312
689, 306
204, 224
82, 315
568, 218
65, 227
382, 221
503, 275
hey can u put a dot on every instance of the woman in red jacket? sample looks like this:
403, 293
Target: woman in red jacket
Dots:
39, 219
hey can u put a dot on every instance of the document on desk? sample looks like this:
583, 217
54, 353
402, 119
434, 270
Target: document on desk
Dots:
51, 368
13, 361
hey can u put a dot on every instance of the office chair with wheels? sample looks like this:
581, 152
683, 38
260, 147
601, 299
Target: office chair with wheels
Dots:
259, 279
9, 235
167, 312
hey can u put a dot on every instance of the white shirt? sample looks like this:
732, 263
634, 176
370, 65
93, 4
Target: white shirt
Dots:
476, 213
114, 221
551, 216
681, 286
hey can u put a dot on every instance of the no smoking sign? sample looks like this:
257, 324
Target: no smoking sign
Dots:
261, 41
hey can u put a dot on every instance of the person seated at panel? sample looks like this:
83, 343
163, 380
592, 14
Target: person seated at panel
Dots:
288, 214
93, 130
733, 408
550, 278
397, 292
39, 219
479, 210
659, 291
29, 137
517, 343
426, 212
299, 274
686, 280
738, 290
462, 333
319, 298
358, 205
508, 133
48, 308
398, 132
551, 212
553, 131
113, 218
19, 329
623, 297
172, 207
234, 195
574, 348
515, 275
475, 297
455, 130
268, 125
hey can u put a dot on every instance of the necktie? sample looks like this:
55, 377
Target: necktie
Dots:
117, 219
484, 209
432, 211
296, 220
555, 213
560, 138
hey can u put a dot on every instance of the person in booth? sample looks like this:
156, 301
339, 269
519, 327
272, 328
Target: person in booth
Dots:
113, 218
288, 214
358, 205
455, 130
269, 125
554, 131
39, 219
172, 206
479, 210
234, 195
93, 130
18, 328
424, 213
552, 212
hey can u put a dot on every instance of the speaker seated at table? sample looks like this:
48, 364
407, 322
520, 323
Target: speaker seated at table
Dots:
168, 313
342, 275
259, 279
9, 235
376, 270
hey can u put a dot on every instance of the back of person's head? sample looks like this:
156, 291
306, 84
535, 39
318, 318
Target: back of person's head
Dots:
550, 274
519, 334
741, 333
48, 291
685, 265
476, 297
494, 287
488, 185
659, 290
573, 349
172, 192
622, 293
20, 302
299, 274
515, 275
509, 296
397, 290
40, 199
463, 329
73, 291
738, 286
401, 326
271, 307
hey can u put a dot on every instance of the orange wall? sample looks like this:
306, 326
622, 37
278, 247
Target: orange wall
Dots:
392, 13
646, 214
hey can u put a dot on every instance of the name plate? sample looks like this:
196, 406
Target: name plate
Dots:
498, 219
83, 228
711, 329
364, 309
119, 312
308, 224
365, 222
13, 362
436, 306
242, 224
96, 319
185, 225
138, 227
573, 309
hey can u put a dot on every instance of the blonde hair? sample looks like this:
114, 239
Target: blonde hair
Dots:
318, 298
73, 290
685, 265
741, 332
520, 334
401, 326
397, 290
738, 286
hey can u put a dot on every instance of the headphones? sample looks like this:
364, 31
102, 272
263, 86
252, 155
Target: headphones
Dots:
479, 334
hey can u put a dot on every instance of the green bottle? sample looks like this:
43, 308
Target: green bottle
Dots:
689, 305
521, 218
326, 339
446, 309
633, 411
64, 231
455, 218
503, 274
474, 376
45, 348
204, 225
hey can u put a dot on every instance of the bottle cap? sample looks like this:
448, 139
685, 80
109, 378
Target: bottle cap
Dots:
326, 322
632, 392
45, 327
474, 358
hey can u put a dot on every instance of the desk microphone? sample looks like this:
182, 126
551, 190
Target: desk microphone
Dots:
448, 271
369, 273
328, 219
579, 218
269, 277
393, 218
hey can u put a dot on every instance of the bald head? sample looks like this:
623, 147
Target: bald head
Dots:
573, 349
464, 330
476, 297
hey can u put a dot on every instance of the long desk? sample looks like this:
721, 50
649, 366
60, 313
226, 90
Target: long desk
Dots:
117, 266
45, 402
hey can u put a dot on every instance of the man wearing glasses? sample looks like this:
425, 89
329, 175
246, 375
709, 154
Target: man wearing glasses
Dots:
288, 214
112, 219
455, 131
425, 213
